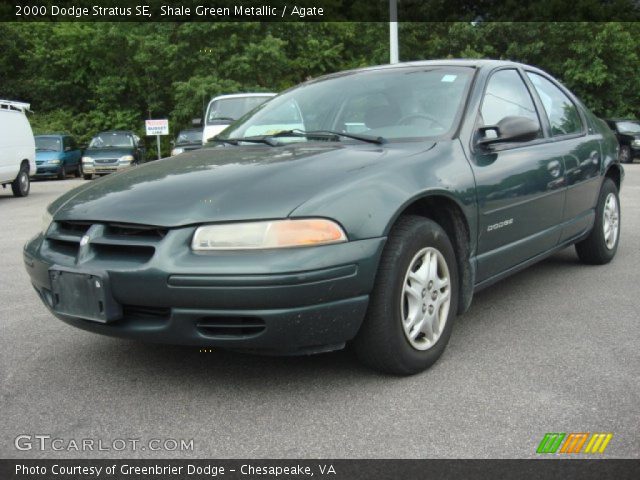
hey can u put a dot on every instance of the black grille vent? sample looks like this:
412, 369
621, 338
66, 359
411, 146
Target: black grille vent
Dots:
143, 312
231, 327
125, 242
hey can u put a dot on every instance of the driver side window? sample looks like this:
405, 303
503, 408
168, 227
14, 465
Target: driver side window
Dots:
506, 96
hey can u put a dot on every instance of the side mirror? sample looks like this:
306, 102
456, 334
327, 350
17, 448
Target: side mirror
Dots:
509, 129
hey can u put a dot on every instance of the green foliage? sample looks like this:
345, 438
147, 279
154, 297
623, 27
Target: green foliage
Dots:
84, 77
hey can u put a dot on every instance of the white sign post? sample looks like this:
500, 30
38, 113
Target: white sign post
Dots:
157, 128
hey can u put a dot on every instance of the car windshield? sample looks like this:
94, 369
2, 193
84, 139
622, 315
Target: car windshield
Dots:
229, 109
400, 103
51, 144
111, 139
189, 136
629, 127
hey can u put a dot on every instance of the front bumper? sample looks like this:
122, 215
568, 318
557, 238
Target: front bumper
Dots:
288, 301
103, 168
44, 170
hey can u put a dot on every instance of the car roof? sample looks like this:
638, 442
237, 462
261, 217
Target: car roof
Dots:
129, 132
241, 95
447, 62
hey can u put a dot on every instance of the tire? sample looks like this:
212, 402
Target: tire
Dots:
383, 343
87, 176
625, 154
599, 248
22, 184
63, 173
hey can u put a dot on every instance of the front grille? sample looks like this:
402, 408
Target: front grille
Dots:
112, 241
106, 160
230, 327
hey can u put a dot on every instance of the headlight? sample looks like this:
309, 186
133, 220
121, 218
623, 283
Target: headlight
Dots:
636, 143
265, 235
126, 159
177, 151
55, 161
47, 218
87, 160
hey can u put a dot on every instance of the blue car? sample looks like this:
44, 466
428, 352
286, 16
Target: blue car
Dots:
57, 155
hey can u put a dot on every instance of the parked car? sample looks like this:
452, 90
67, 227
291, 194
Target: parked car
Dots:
112, 151
187, 140
302, 240
17, 148
225, 109
628, 133
57, 154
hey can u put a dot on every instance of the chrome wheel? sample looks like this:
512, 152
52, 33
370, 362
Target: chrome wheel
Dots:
625, 154
24, 182
426, 298
611, 221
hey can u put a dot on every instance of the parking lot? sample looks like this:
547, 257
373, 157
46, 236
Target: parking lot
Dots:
551, 349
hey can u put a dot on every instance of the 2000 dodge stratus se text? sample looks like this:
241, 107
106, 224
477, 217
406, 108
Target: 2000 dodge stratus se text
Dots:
365, 207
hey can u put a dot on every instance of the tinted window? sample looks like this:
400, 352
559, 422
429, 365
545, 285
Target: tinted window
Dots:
48, 144
507, 96
111, 139
629, 127
230, 109
562, 113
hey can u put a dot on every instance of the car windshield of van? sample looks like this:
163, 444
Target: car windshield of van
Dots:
48, 144
629, 127
230, 109
189, 136
107, 140
387, 104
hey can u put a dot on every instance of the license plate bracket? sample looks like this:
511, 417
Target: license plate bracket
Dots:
84, 295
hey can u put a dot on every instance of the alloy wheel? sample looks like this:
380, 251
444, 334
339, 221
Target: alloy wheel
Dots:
426, 298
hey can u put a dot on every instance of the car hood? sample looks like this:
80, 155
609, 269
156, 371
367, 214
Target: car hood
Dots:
109, 152
224, 184
45, 155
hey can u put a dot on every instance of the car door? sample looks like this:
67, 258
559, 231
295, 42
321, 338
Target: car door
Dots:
75, 152
570, 129
67, 154
520, 185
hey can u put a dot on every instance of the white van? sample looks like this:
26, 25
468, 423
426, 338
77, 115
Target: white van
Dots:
225, 109
17, 148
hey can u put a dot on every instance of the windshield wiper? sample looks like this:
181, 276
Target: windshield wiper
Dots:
329, 133
266, 139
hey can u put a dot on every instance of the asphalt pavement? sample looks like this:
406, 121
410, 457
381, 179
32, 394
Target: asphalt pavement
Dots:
552, 349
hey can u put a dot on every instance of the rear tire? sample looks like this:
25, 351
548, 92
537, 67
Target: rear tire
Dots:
22, 184
405, 297
87, 176
602, 243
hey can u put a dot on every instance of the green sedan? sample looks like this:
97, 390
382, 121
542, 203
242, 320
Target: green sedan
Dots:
364, 207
